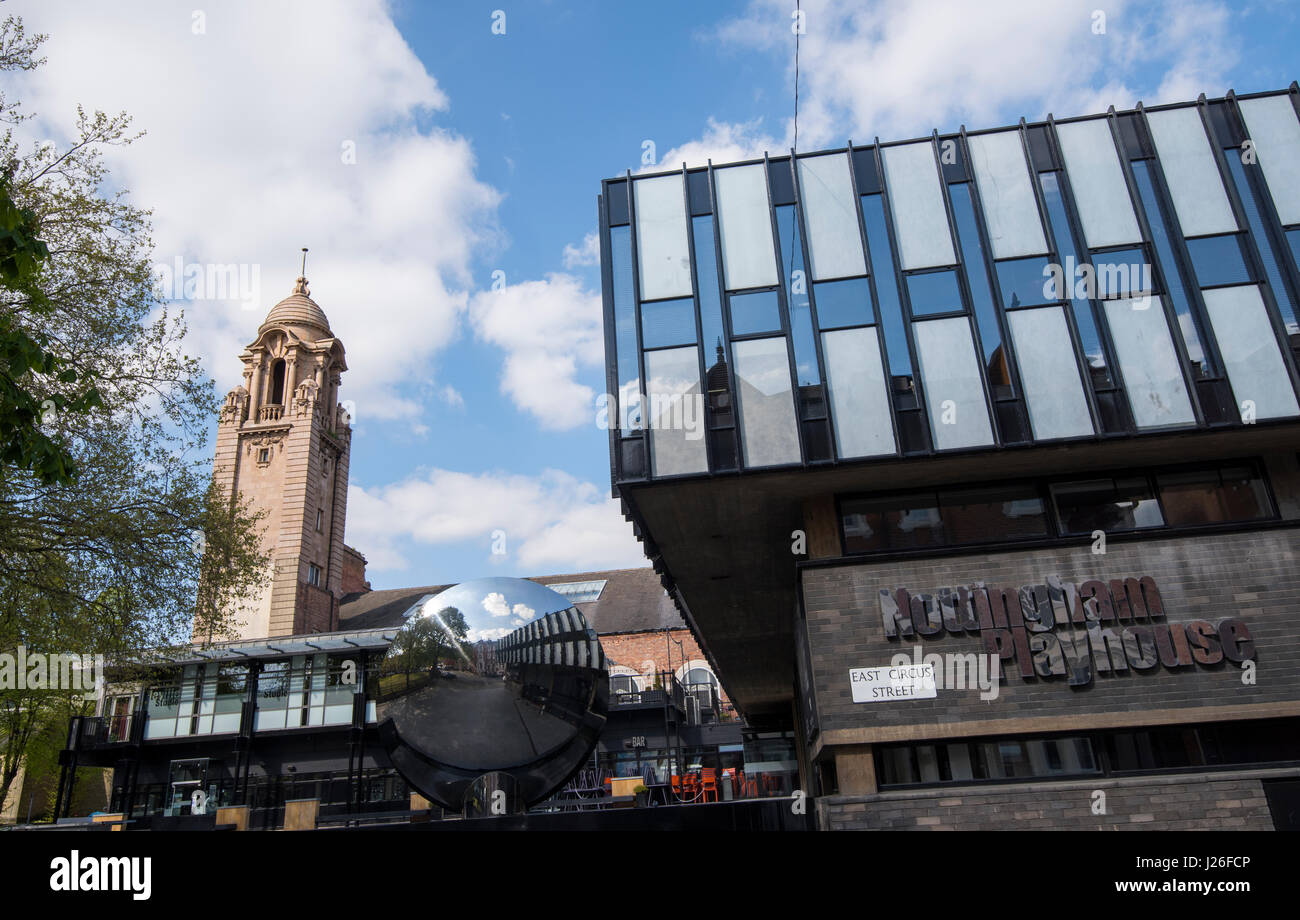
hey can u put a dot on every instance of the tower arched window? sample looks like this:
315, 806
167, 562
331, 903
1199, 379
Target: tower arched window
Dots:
277, 382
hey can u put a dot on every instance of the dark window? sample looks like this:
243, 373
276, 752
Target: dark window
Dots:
320, 519
865, 172
1106, 504
758, 312
781, 181
934, 292
1218, 744
668, 322
843, 303
948, 518
1219, 260
1122, 273
264, 455
618, 213
1028, 281
313, 575
1213, 496
277, 382
997, 759
978, 515
697, 187
894, 522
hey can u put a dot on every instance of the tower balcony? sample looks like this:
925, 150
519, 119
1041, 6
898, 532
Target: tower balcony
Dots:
270, 413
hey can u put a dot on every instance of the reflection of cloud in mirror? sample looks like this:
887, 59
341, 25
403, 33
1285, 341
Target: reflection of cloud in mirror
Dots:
495, 604
487, 635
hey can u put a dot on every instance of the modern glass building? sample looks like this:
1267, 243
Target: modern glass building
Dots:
1050, 355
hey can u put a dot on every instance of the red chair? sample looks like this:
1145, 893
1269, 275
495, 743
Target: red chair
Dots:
710, 784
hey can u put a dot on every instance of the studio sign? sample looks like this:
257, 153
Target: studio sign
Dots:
1058, 629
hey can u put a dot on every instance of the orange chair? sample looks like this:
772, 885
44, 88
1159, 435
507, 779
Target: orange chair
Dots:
710, 784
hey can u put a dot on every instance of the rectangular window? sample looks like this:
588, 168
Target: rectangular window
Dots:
859, 401
954, 393
1049, 373
757, 312
629, 374
882, 267
768, 433
320, 519
1271, 259
831, 216
264, 455
916, 203
843, 303
1109, 505
1214, 496
1084, 320
1097, 179
1275, 135
892, 522
1219, 260
953, 518
313, 575
668, 322
675, 409
1026, 282
977, 279
665, 260
1191, 172
745, 225
1010, 208
1156, 391
1258, 375
934, 292
1122, 273
706, 272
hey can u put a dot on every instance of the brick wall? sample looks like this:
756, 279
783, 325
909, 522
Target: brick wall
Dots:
1252, 575
354, 572
633, 650
1197, 802
316, 610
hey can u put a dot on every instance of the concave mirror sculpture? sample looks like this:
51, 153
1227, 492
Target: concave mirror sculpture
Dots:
493, 676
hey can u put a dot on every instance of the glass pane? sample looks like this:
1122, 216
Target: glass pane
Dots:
934, 292
1213, 496
676, 412
1026, 282
831, 216
1122, 273
766, 402
1010, 208
758, 312
1049, 372
668, 322
706, 272
1105, 209
807, 370
986, 515
697, 185
859, 402
1219, 260
916, 203
1275, 134
1156, 391
977, 278
882, 268
665, 260
1160, 235
954, 393
745, 225
1250, 352
1084, 320
843, 303
629, 374
1106, 504
1265, 246
892, 522
1191, 172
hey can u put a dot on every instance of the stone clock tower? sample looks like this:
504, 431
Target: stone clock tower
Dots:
282, 444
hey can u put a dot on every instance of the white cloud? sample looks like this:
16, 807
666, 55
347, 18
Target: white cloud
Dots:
451, 396
898, 70
548, 329
587, 253
722, 142
250, 129
553, 522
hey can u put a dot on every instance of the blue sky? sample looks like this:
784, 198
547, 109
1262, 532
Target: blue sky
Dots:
478, 152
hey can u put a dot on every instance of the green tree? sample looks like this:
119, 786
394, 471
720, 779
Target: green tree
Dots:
104, 490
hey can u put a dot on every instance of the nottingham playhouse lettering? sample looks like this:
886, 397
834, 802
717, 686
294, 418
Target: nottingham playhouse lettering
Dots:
1059, 629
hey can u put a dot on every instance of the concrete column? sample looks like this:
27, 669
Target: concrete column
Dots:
855, 769
255, 391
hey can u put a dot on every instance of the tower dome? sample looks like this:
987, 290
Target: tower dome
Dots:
298, 310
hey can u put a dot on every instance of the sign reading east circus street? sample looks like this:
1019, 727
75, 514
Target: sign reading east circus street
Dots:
897, 682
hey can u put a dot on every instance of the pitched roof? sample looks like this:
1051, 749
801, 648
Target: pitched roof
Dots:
633, 600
